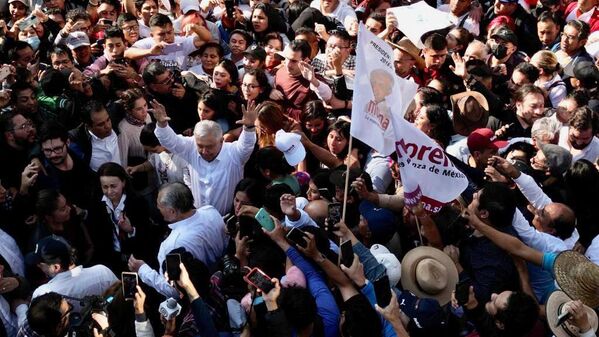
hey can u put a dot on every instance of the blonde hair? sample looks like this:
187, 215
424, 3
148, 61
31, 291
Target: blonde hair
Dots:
545, 60
271, 119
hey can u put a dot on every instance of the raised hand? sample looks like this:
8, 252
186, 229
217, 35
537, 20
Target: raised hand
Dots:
307, 71
249, 116
159, 113
460, 66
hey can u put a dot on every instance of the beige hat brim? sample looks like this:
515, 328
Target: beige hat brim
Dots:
408, 273
578, 277
416, 55
552, 311
458, 103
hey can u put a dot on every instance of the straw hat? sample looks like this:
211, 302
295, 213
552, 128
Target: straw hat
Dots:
555, 307
472, 116
578, 277
429, 273
407, 46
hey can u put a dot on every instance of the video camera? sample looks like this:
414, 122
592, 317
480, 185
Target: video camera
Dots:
81, 324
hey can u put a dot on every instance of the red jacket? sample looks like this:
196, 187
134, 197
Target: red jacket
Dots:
593, 21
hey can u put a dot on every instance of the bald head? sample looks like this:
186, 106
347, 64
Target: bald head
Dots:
562, 219
318, 211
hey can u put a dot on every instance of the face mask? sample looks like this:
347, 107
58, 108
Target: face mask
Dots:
34, 42
499, 51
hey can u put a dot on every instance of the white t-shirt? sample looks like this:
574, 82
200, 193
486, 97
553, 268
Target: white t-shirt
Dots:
180, 49
468, 23
344, 13
590, 152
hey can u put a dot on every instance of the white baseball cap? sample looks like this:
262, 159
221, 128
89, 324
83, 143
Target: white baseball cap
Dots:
190, 5
390, 261
290, 144
77, 39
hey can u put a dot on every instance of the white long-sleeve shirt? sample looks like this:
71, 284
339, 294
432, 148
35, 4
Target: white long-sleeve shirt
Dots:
530, 236
202, 234
212, 183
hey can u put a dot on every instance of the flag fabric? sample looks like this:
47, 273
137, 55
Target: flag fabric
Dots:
380, 101
417, 19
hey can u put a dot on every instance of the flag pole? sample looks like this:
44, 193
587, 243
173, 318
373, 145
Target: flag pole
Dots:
351, 138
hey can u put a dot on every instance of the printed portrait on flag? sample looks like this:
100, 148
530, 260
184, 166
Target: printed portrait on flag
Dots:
381, 82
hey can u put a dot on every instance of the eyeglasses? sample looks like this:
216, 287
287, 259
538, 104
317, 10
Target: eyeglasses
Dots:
131, 28
25, 126
249, 86
167, 81
569, 37
55, 150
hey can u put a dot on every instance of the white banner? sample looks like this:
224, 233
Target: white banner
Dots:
380, 100
417, 19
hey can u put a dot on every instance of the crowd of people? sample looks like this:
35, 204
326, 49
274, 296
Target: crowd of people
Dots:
184, 168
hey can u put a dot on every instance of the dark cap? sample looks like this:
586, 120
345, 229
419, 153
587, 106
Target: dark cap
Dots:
506, 35
558, 159
586, 72
256, 53
51, 249
424, 313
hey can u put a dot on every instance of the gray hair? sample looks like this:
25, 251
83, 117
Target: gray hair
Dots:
545, 129
208, 128
381, 76
176, 195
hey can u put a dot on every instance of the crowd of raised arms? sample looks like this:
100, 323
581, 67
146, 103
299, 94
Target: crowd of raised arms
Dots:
185, 168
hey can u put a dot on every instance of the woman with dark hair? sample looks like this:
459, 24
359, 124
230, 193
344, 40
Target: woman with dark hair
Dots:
582, 182
247, 192
273, 43
136, 117
337, 151
212, 106
255, 86
435, 123
266, 19
315, 124
226, 77
458, 40
56, 216
121, 222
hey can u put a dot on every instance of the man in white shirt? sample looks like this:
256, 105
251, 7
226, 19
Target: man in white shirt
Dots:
53, 255
163, 45
200, 231
95, 139
579, 136
336, 10
458, 12
215, 166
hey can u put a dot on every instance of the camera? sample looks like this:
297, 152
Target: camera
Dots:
232, 283
81, 324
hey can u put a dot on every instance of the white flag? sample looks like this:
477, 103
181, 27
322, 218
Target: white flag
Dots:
380, 101
417, 19
374, 84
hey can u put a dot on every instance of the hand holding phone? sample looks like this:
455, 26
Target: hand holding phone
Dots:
260, 280
172, 266
347, 253
462, 291
129, 283
382, 290
297, 236
265, 220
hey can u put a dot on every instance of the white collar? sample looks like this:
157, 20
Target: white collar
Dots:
98, 139
120, 207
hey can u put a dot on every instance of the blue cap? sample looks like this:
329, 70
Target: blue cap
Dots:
381, 221
424, 313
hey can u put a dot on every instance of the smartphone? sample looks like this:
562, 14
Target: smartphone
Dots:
347, 253
129, 283
28, 22
245, 228
5, 71
382, 289
297, 236
265, 220
40, 67
231, 223
120, 60
462, 291
259, 279
334, 213
230, 8
106, 22
100, 42
172, 266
